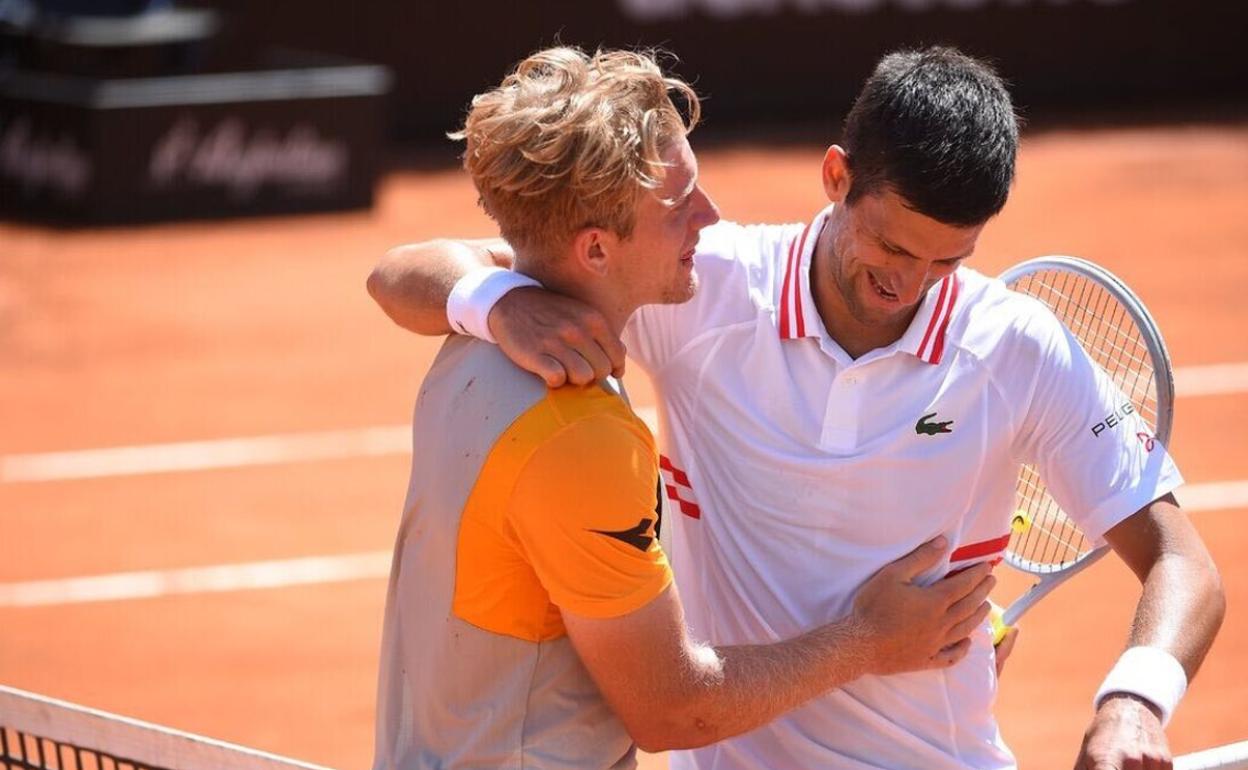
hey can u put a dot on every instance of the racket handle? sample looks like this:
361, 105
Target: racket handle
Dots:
997, 618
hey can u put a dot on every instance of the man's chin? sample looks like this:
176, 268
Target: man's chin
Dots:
684, 292
878, 316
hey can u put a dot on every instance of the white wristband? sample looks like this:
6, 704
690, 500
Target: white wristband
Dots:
474, 296
1152, 674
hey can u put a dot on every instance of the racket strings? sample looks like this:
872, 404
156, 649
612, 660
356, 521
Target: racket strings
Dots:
1086, 316
1047, 537
1117, 349
1088, 310
1083, 319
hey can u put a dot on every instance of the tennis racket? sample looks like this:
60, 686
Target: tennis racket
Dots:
1117, 332
1233, 756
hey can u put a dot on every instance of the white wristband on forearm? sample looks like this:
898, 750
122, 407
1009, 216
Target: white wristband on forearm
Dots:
474, 296
1152, 674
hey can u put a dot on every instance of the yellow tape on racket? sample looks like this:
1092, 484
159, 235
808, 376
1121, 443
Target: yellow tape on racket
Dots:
996, 616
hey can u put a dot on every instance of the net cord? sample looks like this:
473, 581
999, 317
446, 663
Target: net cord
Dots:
138, 742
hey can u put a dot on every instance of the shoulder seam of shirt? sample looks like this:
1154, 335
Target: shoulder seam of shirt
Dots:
1018, 412
1016, 417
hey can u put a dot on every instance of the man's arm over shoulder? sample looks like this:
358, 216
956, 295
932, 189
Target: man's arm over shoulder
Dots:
411, 283
559, 339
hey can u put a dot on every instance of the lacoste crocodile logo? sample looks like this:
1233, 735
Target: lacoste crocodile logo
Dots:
925, 428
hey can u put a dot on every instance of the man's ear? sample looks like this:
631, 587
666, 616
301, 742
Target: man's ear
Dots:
592, 248
836, 176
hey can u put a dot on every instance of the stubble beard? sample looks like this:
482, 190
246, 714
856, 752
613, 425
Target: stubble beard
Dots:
845, 287
853, 301
682, 292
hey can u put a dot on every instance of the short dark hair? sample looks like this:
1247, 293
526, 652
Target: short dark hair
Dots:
938, 128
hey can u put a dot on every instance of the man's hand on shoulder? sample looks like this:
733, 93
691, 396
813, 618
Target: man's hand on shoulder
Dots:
1125, 734
560, 339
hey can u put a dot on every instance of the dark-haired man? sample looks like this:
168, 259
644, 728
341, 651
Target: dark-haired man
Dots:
840, 391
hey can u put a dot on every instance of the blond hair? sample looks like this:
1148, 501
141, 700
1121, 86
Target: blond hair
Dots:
569, 141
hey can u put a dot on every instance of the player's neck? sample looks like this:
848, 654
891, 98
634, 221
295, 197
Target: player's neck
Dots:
601, 296
856, 338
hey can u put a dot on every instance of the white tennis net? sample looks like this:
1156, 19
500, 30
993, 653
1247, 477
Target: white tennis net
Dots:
38, 733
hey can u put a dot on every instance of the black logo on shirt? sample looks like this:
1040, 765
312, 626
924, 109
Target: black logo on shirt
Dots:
925, 428
637, 536
1114, 418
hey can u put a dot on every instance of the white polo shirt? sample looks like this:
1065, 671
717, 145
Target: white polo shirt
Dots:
798, 472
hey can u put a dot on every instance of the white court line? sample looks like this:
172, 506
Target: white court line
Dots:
216, 454
1225, 495
1211, 379
1213, 496
206, 455
1190, 381
195, 580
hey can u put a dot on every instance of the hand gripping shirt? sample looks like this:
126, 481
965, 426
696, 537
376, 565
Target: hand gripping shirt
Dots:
523, 501
796, 472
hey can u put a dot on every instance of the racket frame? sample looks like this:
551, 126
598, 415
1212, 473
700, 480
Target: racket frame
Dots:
1163, 382
1232, 756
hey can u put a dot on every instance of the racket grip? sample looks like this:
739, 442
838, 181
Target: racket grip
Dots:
996, 616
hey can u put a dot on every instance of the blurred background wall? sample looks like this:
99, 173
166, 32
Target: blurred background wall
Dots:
125, 110
781, 60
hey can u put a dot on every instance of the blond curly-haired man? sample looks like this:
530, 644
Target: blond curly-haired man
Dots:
531, 620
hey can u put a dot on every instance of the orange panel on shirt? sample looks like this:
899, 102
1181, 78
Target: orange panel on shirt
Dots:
561, 515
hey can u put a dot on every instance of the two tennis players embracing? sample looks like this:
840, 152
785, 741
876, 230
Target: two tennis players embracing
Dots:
845, 409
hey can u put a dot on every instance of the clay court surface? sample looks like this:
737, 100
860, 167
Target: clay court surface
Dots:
226, 330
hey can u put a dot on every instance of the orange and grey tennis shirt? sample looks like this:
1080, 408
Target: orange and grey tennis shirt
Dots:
523, 502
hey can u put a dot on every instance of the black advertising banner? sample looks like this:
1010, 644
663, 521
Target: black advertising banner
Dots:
780, 59
271, 140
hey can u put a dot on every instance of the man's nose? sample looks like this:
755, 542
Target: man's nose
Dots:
708, 212
913, 278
